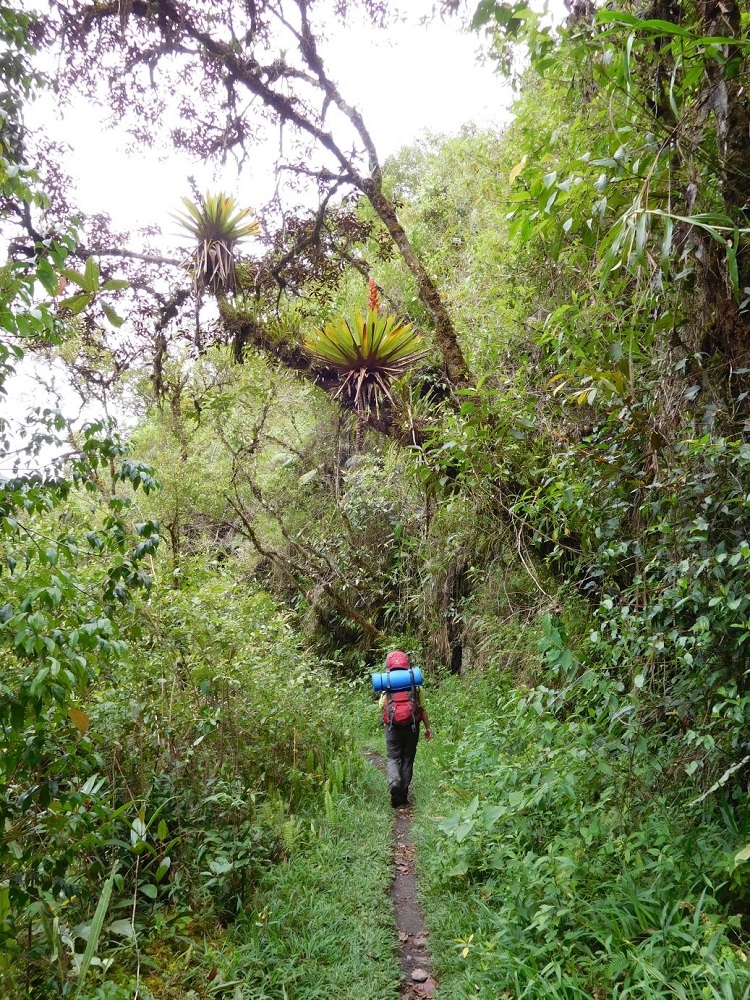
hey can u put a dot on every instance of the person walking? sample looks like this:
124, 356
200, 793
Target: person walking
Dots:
402, 734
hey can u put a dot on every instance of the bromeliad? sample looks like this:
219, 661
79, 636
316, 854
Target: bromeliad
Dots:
368, 352
216, 224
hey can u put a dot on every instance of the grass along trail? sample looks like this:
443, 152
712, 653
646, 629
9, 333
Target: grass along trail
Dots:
418, 983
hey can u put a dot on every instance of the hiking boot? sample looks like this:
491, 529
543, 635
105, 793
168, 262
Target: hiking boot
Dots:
396, 796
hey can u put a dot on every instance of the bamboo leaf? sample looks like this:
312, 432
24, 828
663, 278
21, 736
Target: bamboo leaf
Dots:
672, 98
626, 62
95, 930
666, 243
732, 267
641, 231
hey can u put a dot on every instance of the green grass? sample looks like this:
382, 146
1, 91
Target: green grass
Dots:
553, 864
323, 924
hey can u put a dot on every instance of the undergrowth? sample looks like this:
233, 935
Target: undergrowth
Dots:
214, 832
562, 857
323, 925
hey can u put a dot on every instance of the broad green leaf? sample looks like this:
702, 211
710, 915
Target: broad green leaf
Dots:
449, 824
75, 276
221, 866
77, 303
48, 276
112, 316
492, 814
91, 275
463, 830
162, 870
138, 830
122, 928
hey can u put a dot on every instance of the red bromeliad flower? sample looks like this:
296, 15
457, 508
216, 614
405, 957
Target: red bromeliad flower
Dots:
374, 303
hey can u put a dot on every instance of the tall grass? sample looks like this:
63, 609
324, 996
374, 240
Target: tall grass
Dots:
319, 922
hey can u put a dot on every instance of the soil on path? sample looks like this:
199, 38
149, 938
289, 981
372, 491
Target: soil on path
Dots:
418, 984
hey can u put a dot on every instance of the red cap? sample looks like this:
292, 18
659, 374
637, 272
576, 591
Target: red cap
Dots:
396, 660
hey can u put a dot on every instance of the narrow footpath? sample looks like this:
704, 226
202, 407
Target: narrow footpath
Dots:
412, 934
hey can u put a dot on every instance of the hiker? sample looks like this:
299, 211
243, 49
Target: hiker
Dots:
402, 713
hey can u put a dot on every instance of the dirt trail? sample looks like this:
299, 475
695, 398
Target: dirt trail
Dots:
418, 984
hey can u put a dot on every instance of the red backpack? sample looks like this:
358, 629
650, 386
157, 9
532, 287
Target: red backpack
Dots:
402, 708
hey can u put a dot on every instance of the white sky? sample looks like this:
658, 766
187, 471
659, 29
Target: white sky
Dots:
423, 78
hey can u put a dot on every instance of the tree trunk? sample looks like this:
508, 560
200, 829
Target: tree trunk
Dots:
456, 368
729, 82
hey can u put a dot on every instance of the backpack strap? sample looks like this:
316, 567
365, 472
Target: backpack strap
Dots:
413, 701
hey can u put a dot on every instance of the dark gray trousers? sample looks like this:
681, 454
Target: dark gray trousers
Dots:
401, 749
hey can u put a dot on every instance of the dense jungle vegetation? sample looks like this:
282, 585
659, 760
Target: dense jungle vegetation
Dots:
488, 402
